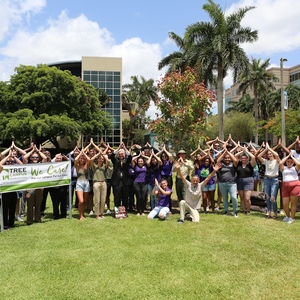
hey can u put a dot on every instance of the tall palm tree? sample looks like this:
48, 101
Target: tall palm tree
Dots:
137, 96
259, 81
218, 47
178, 59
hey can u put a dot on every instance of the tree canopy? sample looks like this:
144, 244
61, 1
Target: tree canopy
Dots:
214, 48
184, 105
42, 102
136, 99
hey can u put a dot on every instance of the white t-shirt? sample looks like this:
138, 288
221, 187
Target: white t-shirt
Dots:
289, 174
193, 195
272, 167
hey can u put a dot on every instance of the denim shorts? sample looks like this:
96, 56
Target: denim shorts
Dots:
83, 185
245, 184
209, 187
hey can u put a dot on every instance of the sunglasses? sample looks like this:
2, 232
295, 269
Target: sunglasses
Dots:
10, 161
34, 157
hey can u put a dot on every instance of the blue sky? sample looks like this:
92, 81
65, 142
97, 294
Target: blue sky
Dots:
44, 31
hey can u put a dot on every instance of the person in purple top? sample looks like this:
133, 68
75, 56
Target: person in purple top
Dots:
166, 168
163, 192
153, 173
139, 183
208, 192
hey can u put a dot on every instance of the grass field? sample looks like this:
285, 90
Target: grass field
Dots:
248, 257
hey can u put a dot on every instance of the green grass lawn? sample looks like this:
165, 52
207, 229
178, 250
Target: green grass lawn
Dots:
248, 257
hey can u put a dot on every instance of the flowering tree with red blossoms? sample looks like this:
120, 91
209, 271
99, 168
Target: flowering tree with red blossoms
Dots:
183, 106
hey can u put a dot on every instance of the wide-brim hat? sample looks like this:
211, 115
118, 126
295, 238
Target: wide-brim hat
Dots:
181, 152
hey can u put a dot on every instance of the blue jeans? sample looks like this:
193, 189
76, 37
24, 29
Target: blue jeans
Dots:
225, 188
157, 210
271, 188
153, 198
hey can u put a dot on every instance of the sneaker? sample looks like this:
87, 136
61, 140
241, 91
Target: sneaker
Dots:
180, 221
225, 213
91, 213
207, 208
216, 209
290, 221
108, 212
19, 219
187, 215
286, 219
235, 214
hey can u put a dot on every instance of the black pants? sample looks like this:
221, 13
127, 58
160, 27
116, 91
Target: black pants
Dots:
141, 190
9, 201
59, 200
121, 194
45, 195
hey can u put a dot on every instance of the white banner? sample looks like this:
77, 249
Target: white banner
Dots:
34, 176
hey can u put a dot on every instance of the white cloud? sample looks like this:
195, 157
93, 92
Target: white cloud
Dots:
67, 38
13, 11
276, 22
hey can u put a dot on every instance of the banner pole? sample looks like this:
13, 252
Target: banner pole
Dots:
70, 190
1, 213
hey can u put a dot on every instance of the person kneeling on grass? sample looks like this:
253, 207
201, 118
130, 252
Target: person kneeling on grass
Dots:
193, 194
163, 193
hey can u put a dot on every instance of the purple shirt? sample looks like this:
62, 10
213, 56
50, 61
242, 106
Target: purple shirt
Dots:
140, 174
164, 200
152, 175
166, 168
203, 172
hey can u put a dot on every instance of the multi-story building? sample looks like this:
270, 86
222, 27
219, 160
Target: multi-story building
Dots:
103, 73
290, 75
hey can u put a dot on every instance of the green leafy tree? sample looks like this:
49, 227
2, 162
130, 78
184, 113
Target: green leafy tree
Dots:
292, 122
183, 110
259, 81
136, 99
240, 125
42, 102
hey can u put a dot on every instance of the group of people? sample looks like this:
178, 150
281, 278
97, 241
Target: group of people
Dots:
140, 173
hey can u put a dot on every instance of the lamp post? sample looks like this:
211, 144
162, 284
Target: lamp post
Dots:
283, 138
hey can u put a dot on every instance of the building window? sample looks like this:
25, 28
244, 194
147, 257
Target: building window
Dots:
110, 82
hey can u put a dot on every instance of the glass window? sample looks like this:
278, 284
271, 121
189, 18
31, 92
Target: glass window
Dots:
117, 92
102, 85
109, 85
116, 85
109, 77
95, 84
94, 77
86, 77
109, 92
117, 140
117, 105
116, 98
86, 72
117, 78
102, 77
116, 120
117, 112
94, 72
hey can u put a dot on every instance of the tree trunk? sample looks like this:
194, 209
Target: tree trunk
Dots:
256, 118
220, 103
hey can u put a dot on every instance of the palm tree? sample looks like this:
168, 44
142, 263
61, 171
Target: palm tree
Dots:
218, 47
178, 59
259, 81
136, 99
